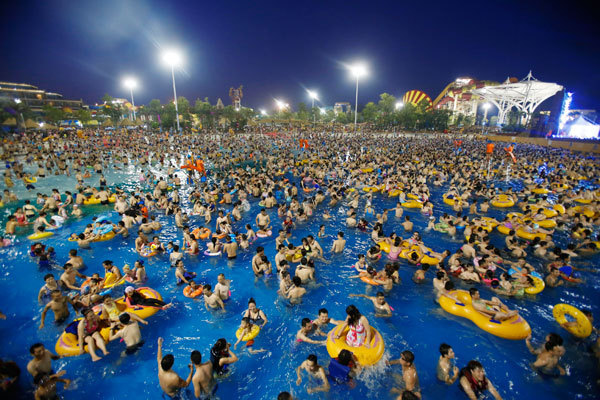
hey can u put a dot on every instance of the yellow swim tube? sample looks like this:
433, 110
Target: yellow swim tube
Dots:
365, 170
503, 201
365, 355
451, 201
412, 204
384, 246
67, 344
523, 234
371, 189
394, 192
40, 235
250, 335
515, 328
93, 200
31, 180
583, 201
540, 191
559, 208
581, 327
538, 285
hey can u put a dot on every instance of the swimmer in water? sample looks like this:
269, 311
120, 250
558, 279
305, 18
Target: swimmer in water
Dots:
382, 308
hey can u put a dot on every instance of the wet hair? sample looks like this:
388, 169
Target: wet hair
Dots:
297, 281
445, 349
408, 356
284, 396
167, 362
48, 276
251, 300
556, 338
323, 311
408, 395
305, 321
35, 346
449, 286
354, 314
473, 290
344, 357
312, 357
473, 365
196, 357
124, 318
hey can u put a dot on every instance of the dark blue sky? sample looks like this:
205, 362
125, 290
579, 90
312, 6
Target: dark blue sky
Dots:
276, 48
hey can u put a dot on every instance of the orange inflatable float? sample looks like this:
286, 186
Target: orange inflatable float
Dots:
195, 165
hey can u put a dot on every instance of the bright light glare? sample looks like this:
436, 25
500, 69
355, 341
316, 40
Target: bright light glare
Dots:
41, 124
263, 112
18, 101
281, 105
358, 70
172, 58
399, 105
313, 95
486, 106
322, 110
130, 83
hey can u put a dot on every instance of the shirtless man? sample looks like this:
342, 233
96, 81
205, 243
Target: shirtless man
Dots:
41, 363
308, 328
75, 260
407, 224
339, 243
59, 305
382, 308
409, 379
203, 380
50, 285
222, 288
447, 372
311, 366
263, 220
211, 300
323, 320
230, 248
129, 331
168, 379
68, 278
491, 308
46, 388
296, 291
257, 259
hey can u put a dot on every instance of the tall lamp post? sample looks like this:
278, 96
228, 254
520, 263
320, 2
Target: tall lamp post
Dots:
131, 83
314, 96
173, 59
357, 70
486, 107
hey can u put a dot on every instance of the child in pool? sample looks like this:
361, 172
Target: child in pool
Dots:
246, 327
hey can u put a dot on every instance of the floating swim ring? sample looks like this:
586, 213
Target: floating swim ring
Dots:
219, 235
367, 170
583, 201
67, 344
370, 281
384, 246
187, 292
450, 201
523, 234
515, 328
201, 233
40, 235
412, 204
365, 355
582, 329
105, 237
441, 227
262, 235
371, 189
588, 212
503, 229
31, 180
547, 223
147, 251
559, 208
94, 200
540, 191
502, 201
208, 253
538, 285
394, 192
250, 335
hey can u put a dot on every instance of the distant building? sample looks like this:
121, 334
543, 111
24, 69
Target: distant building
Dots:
457, 96
36, 98
342, 107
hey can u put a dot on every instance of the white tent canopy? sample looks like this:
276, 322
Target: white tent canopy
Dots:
581, 128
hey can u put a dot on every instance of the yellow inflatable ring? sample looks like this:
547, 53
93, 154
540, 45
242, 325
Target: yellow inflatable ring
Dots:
559, 208
40, 235
538, 285
371, 189
503, 229
365, 356
515, 328
412, 196
250, 335
384, 246
394, 192
530, 236
451, 201
67, 344
540, 191
546, 223
365, 170
31, 180
583, 201
584, 210
412, 204
583, 328
503, 201
105, 237
93, 200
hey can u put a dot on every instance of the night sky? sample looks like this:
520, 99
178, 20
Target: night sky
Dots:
83, 49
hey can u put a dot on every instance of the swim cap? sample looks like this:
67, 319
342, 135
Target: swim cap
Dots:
129, 289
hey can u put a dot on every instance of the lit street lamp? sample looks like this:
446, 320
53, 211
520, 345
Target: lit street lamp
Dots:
281, 105
314, 96
131, 84
173, 58
357, 70
486, 107
399, 105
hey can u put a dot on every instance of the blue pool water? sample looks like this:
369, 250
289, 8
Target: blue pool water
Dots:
418, 323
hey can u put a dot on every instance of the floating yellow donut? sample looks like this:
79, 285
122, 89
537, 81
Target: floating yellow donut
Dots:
40, 235
384, 246
365, 355
503, 201
412, 204
538, 285
523, 234
582, 329
515, 328
250, 335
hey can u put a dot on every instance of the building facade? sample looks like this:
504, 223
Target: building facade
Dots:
36, 98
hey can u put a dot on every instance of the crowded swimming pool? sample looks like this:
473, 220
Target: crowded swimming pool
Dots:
417, 323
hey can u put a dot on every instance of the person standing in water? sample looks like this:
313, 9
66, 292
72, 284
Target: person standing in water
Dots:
170, 382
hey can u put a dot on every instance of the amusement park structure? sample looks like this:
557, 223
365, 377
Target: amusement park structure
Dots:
525, 95
458, 96
236, 96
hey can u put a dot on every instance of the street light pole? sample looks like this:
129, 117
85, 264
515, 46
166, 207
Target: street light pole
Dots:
132, 102
356, 105
486, 106
175, 95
